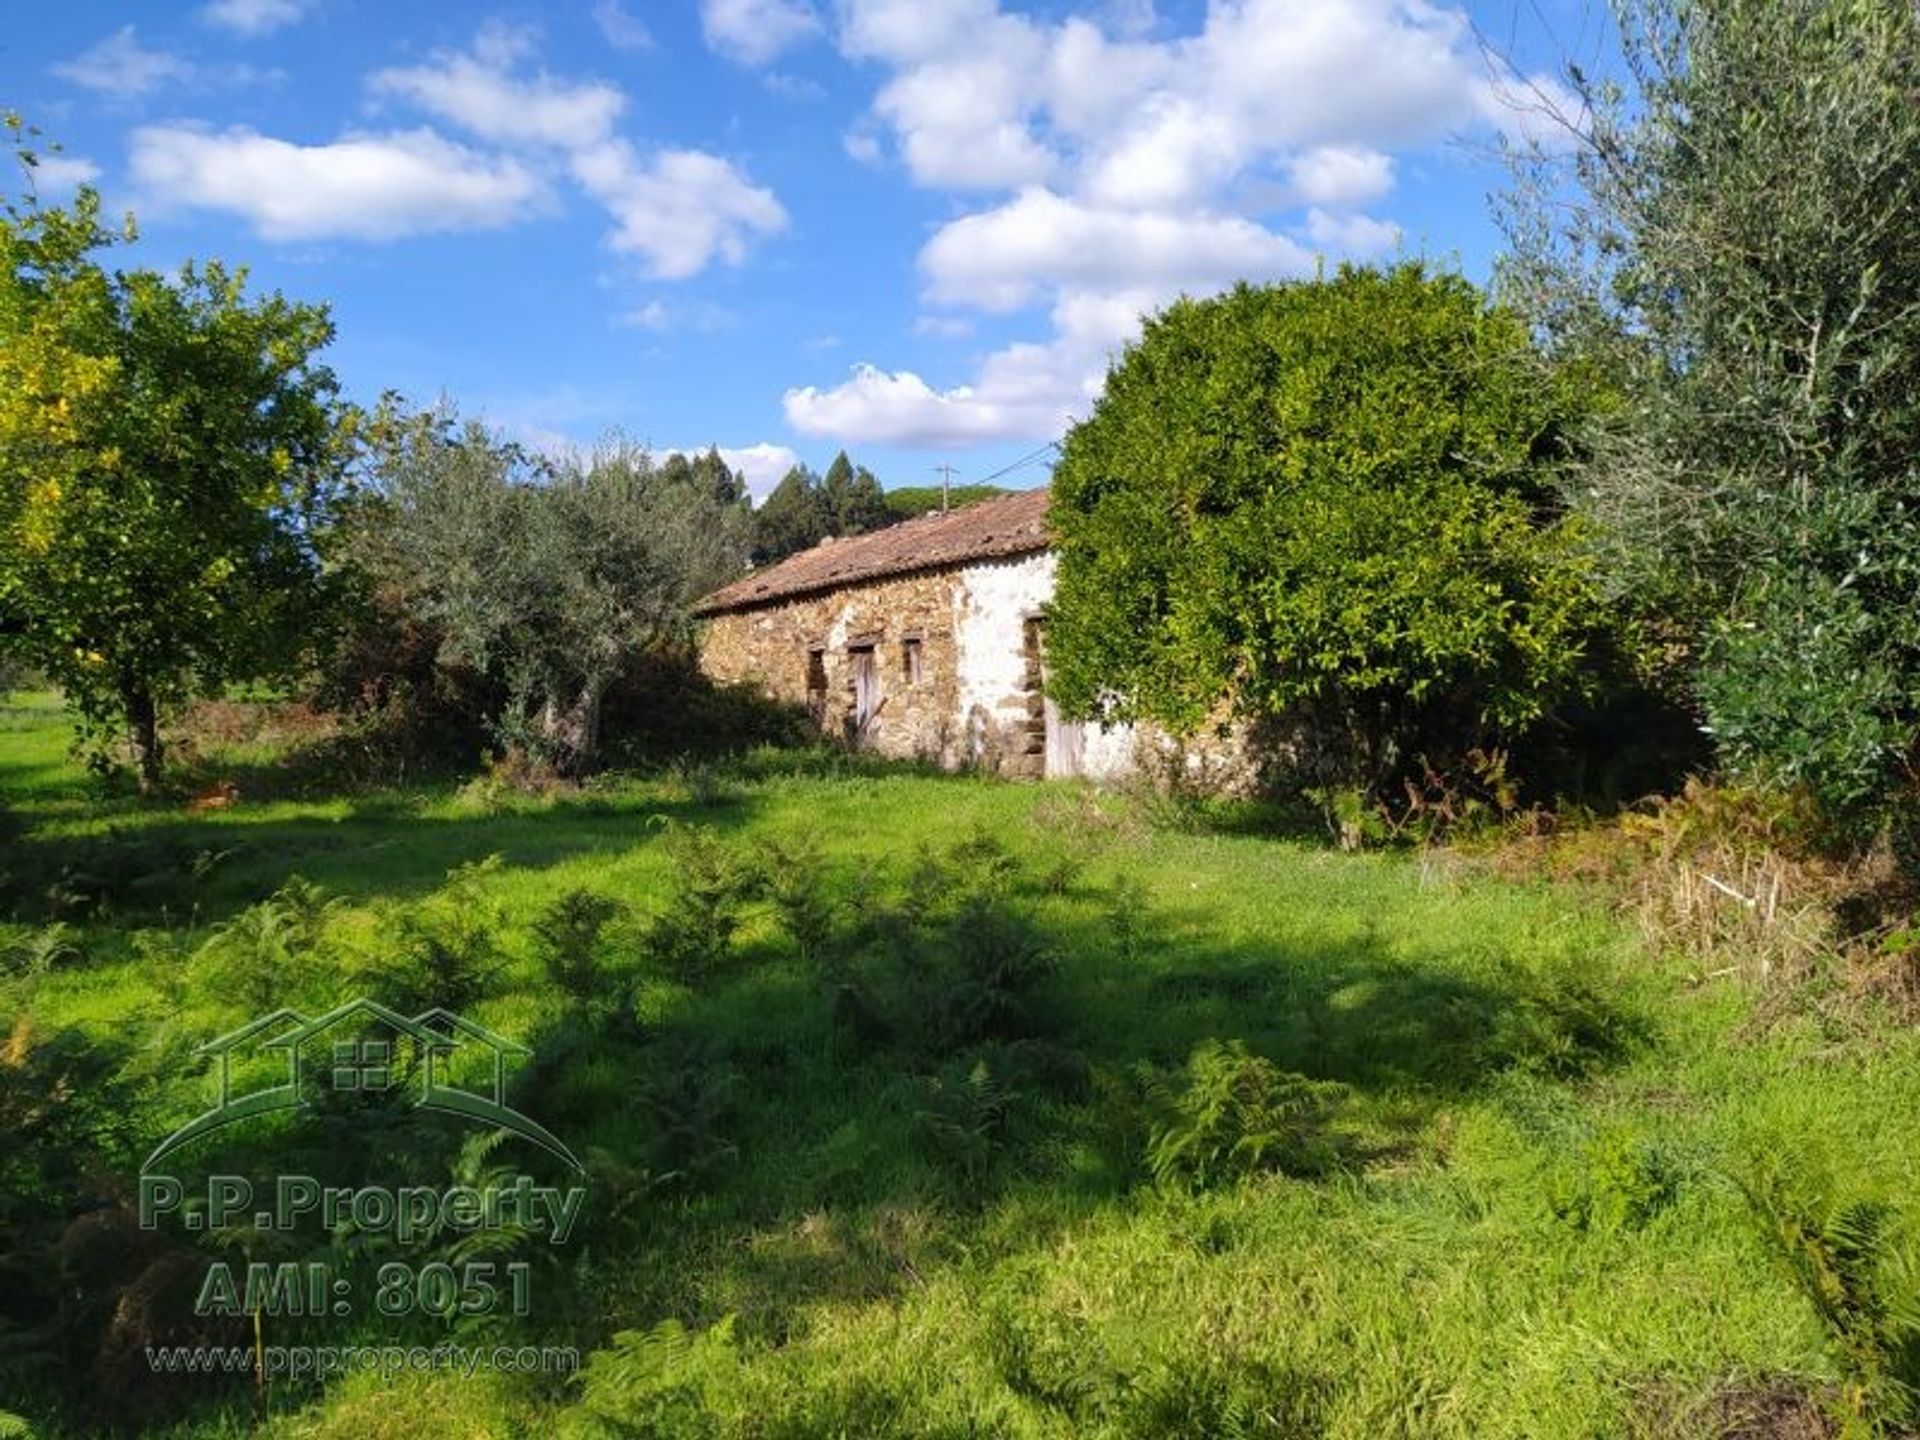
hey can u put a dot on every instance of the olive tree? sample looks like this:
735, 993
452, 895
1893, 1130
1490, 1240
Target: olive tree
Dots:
1729, 226
549, 576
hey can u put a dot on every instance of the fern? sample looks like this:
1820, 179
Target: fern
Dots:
1856, 1264
1235, 1114
659, 1382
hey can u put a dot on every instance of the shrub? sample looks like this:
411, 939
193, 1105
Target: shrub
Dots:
693, 936
569, 937
985, 991
796, 880
1561, 1023
1234, 1114
659, 1382
268, 954
962, 1116
448, 946
1327, 505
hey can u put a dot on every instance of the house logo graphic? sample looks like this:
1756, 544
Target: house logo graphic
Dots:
363, 1048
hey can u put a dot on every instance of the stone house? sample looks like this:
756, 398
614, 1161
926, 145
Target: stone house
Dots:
926, 639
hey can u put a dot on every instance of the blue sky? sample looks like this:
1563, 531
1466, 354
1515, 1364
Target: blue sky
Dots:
915, 229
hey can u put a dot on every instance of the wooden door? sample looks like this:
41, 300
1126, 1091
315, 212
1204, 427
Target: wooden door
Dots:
866, 689
1066, 741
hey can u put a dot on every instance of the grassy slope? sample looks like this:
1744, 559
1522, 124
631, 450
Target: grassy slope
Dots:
1431, 1289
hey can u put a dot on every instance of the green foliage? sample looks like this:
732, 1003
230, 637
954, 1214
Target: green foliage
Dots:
792, 517
1326, 504
797, 881
852, 498
1619, 1180
804, 509
691, 1104
1235, 1114
1738, 263
546, 581
906, 502
447, 947
270, 954
657, 1382
962, 1115
1856, 1263
570, 939
692, 937
1561, 1021
170, 449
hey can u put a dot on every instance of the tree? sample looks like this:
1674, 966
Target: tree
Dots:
852, 498
1733, 232
548, 577
169, 450
790, 519
710, 471
1327, 505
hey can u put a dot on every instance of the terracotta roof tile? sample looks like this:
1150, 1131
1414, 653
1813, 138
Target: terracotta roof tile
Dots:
1006, 525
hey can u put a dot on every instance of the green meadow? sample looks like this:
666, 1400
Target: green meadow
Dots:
915, 1104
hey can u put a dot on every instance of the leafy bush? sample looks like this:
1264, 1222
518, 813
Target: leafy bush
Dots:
1233, 1114
795, 878
1327, 505
996, 961
1559, 1021
962, 1115
690, 1102
659, 1382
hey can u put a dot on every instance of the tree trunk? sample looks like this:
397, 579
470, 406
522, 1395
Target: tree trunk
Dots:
573, 734
143, 729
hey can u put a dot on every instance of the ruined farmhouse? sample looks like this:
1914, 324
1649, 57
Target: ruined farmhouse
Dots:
926, 639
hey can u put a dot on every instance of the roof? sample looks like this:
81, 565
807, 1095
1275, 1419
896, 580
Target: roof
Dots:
1006, 525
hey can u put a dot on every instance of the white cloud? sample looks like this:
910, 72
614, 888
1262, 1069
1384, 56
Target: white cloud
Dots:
678, 210
764, 465
1133, 164
756, 32
58, 174
651, 316
479, 92
943, 327
363, 187
254, 17
1358, 236
1342, 175
1024, 391
623, 30
1004, 258
124, 68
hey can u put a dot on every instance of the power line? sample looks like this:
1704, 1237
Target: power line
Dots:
1022, 462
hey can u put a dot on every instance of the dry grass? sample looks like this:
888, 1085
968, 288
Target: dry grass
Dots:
1733, 879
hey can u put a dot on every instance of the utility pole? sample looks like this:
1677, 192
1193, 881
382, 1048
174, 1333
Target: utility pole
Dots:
946, 474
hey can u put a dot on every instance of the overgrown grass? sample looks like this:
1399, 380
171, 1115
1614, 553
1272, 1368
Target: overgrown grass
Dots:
919, 1105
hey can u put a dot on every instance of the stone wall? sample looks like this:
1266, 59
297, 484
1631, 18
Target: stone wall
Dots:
776, 646
977, 699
